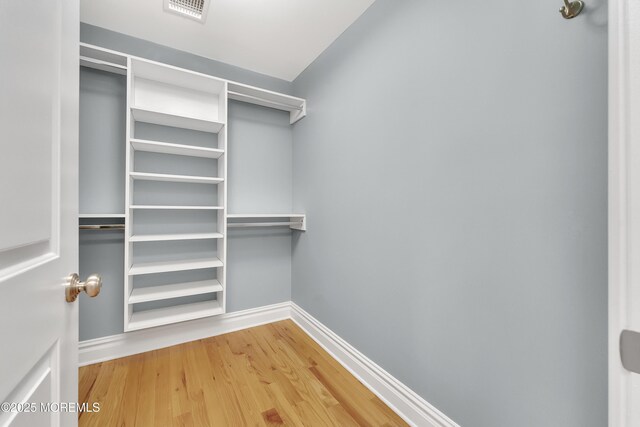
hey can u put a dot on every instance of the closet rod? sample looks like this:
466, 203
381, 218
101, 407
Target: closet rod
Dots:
102, 227
256, 98
263, 224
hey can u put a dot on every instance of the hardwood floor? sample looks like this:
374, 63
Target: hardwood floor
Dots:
270, 375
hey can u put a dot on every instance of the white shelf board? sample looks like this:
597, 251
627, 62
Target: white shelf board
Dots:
98, 64
249, 216
297, 107
177, 208
169, 237
167, 119
102, 54
296, 221
145, 176
168, 266
177, 149
175, 290
179, 313
178, 77
101, 215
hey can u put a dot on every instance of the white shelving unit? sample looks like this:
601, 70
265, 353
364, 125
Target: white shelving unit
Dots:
163, 95
159, 291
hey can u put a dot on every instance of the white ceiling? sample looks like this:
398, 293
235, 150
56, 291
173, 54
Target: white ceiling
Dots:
279, 38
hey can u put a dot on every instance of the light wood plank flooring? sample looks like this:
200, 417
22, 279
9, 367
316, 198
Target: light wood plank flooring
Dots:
264, 376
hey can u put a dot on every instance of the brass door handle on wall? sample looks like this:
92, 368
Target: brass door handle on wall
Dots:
74, 286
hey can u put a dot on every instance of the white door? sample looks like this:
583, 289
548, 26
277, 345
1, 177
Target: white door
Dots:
38, 210
624, 211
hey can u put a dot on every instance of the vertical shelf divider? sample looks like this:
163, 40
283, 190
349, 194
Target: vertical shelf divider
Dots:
222, 195
128, 214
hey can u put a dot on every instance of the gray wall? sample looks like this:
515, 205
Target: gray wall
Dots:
453, 170
259, 180
260, 175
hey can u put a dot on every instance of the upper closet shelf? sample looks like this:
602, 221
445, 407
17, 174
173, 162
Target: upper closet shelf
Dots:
293, 221
144, 176
297, 107
167, 119
177, 149
103, 59
109, 60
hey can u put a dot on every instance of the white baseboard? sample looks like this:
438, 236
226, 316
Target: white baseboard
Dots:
404, 401
127, 344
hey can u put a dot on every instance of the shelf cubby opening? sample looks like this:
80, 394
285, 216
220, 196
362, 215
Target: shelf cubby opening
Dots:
178, 289
151, 267
179, 168
151, 317
168, 96
157, 222
172, 193
175, 149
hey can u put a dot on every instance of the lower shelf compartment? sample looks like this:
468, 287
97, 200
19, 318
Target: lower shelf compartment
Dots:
175, 290
179, 313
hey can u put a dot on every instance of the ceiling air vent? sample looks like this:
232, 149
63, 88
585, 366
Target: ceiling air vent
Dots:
194, 9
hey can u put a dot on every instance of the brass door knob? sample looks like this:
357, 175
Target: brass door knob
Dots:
74, 286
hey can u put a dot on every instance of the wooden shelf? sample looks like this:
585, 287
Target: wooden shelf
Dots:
145, 176
179, 313
167, 119
168, 266
175, 290
176, 208
170, 237
177, 149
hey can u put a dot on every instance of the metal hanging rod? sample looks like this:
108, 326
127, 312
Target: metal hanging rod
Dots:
102, 227
266, 101
264, 224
